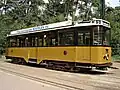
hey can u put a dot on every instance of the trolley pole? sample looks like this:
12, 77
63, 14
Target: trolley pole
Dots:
74, 7
102, 9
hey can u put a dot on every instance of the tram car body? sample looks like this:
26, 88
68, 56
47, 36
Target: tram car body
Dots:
84, 44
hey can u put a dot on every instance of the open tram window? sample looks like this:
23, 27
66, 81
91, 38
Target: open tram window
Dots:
66, 38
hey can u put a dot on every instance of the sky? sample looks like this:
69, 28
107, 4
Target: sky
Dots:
113, 3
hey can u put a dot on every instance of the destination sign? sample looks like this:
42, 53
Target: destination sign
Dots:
43, 27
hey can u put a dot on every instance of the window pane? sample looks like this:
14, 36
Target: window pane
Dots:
83, 38
80, 38
106, 37
97, 38
36, 41
40, 42
66, 38
13, 42
101, 36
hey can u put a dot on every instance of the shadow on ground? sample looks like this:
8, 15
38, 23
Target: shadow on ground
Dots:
82, 71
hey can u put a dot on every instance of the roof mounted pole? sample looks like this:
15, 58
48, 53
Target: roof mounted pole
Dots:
102, 9
74, 7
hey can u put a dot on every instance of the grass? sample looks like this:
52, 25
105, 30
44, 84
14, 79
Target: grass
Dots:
116, 58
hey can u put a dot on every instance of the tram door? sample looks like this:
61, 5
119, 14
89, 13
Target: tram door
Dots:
84, 46
32, 51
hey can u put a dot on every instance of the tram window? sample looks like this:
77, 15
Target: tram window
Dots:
50, 39
53, 42
87, 38
8, 42
98, 36
36, 41
66, 38
28, 42
83, 38
33, 41
18, 42
80, 39
13, 42
47, 41
40, 42
106, 36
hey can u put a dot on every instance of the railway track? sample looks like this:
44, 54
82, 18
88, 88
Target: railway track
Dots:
40, 79
90, 83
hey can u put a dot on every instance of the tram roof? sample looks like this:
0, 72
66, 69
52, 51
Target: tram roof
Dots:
61, 25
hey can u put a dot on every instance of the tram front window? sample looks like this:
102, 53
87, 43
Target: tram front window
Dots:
106, 37
101, 36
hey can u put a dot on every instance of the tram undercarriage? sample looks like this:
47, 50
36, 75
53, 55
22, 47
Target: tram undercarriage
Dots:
63, 66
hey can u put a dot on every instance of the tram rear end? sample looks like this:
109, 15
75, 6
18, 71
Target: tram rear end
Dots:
96, 50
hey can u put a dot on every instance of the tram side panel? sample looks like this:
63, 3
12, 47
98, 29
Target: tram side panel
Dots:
83, 54
101, 55
67, 54
17, 53
32, 53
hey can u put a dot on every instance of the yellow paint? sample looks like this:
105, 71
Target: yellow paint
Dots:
97, 54
56, 53
82, 54
18, 52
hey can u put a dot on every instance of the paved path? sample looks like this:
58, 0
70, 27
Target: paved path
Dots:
13, 82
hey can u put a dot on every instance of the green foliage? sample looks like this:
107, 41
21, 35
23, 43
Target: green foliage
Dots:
113, 16
28, 13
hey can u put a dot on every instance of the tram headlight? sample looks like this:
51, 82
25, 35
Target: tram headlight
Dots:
106, 56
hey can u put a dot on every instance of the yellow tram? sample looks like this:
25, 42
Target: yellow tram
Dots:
84, 44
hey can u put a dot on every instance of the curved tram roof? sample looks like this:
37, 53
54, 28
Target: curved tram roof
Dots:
60, 25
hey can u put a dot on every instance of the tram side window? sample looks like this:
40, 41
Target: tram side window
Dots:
106, 36
36, 41
33, 41
53, 42
28, 41
40, 42
50, 39
13, 42
8, 42
83, 38
80, 39
66, 38
97, 38
20, 41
